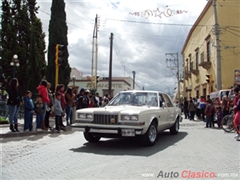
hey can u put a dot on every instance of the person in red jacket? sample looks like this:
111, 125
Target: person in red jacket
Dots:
42, 90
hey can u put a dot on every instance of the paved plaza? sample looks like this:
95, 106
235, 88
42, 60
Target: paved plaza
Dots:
195, 153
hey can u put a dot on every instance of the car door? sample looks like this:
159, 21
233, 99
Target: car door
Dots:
163, 113
171, 111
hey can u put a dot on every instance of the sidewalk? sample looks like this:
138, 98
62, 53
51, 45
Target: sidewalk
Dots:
5, 132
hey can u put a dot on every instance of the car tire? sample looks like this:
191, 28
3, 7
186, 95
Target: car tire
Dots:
175, 128
150, 137
91, 138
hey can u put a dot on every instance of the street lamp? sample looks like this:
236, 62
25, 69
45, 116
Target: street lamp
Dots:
14, 63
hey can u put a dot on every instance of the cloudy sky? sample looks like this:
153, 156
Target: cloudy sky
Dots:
141, 39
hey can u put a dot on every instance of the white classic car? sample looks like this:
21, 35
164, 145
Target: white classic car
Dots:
130, 114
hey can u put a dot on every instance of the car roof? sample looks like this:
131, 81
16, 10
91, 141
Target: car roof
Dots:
152, 91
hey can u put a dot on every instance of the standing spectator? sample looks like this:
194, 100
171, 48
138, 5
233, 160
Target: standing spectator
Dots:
192, 109
42, 90
69, 97
236, 108
236, 97
213, 113
60, 89
225, 104
105, 100
219, 116
86, 94
28, 111
185, 108
203, 107
91, 101
49, 107
208, 113
236, 120
198, 109
58, 111
81, 100
14, 101
97, 99
39, 109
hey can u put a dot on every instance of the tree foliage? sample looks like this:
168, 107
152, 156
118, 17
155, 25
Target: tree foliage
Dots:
58, 35
22, 35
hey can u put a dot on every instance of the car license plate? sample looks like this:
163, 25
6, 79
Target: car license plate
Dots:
128, 132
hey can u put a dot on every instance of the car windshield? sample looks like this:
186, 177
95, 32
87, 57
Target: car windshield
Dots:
135, 99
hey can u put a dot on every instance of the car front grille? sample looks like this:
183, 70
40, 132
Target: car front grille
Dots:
105, 119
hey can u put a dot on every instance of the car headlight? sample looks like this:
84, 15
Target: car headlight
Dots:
134, 118
85, 116
125, 117
129, 117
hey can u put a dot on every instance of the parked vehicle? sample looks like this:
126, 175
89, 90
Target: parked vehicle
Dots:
130, 114
217, 96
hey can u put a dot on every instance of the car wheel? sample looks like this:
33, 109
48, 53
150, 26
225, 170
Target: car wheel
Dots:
175, 128
90, 137
150, 137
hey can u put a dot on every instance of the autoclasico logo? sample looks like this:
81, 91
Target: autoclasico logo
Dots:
187, 174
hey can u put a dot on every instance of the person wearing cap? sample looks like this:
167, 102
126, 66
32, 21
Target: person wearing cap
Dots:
81, 100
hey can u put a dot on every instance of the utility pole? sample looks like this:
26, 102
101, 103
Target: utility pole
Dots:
134, 72
95, 55
219, 66
110, 66
173, 64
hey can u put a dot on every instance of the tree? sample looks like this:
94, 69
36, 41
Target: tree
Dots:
18, 22
36, 63
58, 35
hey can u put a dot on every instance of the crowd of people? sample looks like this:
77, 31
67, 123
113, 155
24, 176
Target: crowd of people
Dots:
207, 110
59, 104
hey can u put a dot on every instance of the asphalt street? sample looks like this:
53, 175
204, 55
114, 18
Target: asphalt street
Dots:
194, 153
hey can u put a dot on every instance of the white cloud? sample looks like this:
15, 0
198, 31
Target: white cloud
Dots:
140, 43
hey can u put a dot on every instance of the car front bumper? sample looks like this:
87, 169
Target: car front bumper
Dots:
117, 130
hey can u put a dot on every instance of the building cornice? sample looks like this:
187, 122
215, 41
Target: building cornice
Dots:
208, 5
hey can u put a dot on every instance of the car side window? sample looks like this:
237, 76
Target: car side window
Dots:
161, 100
168, 101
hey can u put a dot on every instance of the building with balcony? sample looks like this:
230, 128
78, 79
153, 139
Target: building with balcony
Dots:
200, 49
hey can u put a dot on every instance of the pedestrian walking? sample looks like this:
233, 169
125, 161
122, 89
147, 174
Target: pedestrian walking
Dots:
39, 109
58, 111
28, 111
14, 102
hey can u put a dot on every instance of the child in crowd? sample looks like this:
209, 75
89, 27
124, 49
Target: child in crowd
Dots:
219, 116
58, 111
39, 109
28, 111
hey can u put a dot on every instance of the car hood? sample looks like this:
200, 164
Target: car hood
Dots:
117, 109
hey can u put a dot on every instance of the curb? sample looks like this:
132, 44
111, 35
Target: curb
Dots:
28, 133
